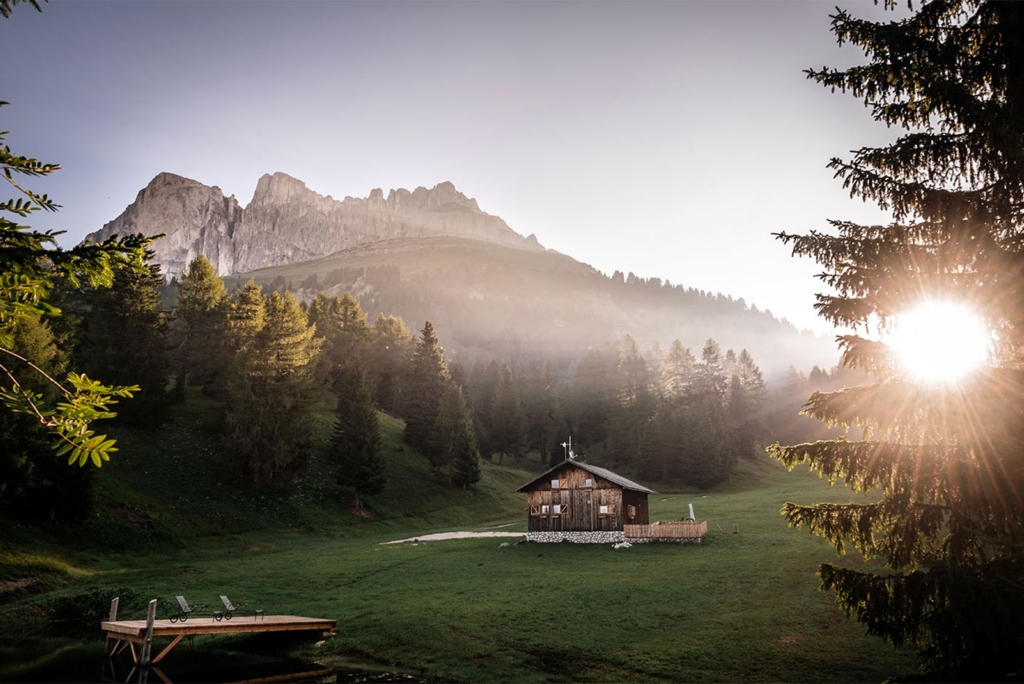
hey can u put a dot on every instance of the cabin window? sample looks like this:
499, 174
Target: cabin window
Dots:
558, 509
534, 509
588, 483
631, 510
545, 509
554, 484
605, 510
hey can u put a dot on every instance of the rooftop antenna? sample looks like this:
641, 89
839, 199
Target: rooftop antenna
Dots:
567, 447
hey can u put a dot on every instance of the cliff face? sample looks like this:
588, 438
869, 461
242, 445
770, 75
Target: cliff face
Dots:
197, 219
286, 222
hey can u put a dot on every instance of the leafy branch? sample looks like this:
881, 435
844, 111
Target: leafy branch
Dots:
32, 264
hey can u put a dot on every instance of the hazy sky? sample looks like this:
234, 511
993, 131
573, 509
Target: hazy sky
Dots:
667, 139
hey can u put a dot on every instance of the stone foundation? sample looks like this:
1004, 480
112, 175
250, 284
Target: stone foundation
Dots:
577, 537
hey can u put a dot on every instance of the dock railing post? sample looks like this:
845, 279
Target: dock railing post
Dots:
147, 642
113, 617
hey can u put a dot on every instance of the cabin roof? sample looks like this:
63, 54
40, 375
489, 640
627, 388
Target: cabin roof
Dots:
600, 472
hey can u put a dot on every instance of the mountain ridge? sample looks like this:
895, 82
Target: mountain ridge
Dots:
491, 301
286, 222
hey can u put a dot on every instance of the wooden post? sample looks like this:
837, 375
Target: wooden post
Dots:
113, 617
147, 641
735, 528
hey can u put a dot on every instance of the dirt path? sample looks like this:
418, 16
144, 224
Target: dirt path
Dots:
455, 535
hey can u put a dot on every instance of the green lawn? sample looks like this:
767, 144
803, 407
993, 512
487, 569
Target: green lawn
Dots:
739, 607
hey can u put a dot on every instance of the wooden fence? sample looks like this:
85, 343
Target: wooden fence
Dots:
684, 529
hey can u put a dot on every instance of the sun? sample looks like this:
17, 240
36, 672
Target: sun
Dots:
940, 341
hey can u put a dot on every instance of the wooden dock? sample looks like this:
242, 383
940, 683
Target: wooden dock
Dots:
122, 634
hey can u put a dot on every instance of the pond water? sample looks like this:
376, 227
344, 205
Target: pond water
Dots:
67, 660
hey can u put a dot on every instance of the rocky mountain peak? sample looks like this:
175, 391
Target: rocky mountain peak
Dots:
167, 179
278, 188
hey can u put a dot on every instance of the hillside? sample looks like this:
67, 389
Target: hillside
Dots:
491, 300
169, 487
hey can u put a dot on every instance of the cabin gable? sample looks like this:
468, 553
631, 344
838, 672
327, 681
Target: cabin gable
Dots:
571, 477
582, 501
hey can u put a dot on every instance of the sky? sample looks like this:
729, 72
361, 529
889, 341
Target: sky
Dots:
670, 139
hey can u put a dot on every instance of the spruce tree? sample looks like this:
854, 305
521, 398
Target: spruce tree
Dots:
245, 314
428, 376
507, 424
272, 390
127, 341
319, 312
539, 405
390, 349
635, 403
746, 399
695, 437
197, 333
356, 447
709, 375
483, 386
345, 334
946, 461
592, 400
666, 439
706, 451
677, 372
466, 467
453, 450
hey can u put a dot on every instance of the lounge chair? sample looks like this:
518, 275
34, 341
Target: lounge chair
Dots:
229, 610
187, 610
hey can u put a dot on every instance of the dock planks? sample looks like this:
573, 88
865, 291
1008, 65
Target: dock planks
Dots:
134, 631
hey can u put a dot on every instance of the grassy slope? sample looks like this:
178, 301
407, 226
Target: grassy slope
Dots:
417, 256
739, 607
180, 479
168, 487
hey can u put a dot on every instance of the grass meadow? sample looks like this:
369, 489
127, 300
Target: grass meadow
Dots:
169, 520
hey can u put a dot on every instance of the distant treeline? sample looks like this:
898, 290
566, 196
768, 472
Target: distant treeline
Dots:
276, 363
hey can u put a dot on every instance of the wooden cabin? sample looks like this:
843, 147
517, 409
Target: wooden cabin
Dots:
575, 496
